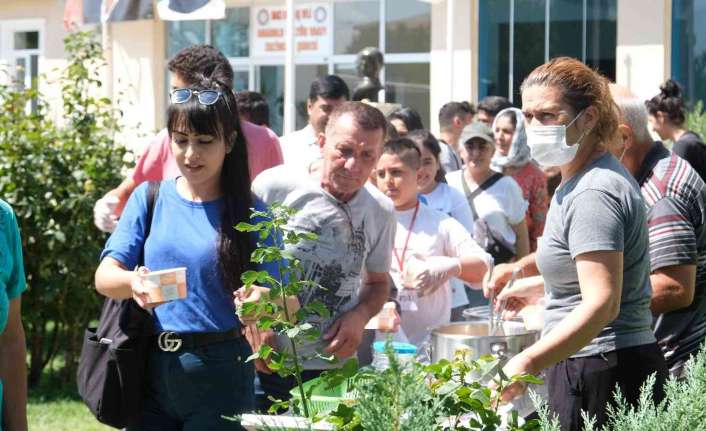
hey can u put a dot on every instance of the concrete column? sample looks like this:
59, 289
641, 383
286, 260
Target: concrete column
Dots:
462, 84
644, 45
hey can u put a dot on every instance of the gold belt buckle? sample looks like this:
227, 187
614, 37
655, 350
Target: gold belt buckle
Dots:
169, 341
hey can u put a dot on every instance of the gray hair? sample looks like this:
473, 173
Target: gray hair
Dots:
634, 114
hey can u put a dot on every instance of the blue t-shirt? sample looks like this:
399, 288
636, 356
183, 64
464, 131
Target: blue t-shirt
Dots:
12, 273
183, 234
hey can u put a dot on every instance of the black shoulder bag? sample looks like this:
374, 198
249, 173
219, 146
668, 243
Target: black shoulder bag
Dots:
112, 365
491, 241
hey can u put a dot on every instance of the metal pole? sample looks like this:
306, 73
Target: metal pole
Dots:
511, 62
450, 30
289, 72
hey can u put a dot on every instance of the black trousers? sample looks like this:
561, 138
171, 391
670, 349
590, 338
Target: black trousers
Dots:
588, 383
278, 387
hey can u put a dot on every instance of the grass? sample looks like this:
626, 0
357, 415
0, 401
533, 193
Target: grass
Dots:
55, 406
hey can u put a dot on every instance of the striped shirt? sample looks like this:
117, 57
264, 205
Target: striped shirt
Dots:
675, 197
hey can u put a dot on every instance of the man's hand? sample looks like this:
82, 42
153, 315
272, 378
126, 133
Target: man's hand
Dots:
346, 333
252, 294
104, 216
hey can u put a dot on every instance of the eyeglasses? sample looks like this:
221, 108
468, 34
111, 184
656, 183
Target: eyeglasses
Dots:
205, 97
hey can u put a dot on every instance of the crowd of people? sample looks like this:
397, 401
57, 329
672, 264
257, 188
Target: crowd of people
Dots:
571, 190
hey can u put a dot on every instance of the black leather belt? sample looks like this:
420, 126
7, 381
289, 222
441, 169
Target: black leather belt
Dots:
172, 341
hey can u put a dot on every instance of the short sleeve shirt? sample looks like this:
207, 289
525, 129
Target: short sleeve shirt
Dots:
12, 275
598, 209
675, 197
501, 205
183, 234
433, 234
157, 163
353, 237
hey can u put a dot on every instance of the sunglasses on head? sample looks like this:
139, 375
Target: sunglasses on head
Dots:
205, 97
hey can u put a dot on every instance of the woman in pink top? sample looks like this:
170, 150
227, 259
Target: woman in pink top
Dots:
512, 157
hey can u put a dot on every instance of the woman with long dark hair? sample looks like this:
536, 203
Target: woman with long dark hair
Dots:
667, 116
192, 226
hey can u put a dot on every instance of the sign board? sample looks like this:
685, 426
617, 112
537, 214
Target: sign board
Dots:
312, 29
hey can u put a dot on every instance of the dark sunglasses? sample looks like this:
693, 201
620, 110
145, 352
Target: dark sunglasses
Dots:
205, 97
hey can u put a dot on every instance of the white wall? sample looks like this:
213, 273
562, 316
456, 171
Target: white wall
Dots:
643, 52
138, 74
446, 85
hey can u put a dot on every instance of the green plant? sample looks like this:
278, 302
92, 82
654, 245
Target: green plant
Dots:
448, 395
273, 311
681, 409
696, 119
52, 174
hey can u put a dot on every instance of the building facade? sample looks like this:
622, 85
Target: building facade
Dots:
435, 50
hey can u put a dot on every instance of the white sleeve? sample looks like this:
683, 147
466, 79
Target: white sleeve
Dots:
458, 242
460, 210
515, 203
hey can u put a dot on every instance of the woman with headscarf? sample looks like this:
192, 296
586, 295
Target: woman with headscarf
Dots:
512, 157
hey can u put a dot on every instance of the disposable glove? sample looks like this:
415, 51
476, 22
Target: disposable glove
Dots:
104, 213
434, 271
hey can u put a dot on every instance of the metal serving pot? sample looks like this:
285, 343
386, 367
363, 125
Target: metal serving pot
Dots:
448, 339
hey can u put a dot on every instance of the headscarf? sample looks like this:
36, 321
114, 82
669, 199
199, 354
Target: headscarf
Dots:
519, 154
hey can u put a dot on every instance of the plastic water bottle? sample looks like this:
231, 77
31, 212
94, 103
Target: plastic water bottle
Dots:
406, 354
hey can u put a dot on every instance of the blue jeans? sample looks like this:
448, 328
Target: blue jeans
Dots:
192, 389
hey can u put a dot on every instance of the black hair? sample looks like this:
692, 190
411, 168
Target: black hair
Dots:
670, 101
406, 150
328, 87
494, 104
452, 110
411, 118
429, 141
254, 107
194, 63
221, 120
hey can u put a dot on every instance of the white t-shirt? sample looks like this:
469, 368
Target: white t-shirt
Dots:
433, 234
452, 202
351, 237
502, 205
300, 148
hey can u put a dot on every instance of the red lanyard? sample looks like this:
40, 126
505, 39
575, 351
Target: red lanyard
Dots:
400, 261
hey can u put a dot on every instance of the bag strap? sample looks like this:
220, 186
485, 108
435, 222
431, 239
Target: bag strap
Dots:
470, 196
152, 193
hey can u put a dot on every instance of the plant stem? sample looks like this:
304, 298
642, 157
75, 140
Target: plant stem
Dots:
283, 294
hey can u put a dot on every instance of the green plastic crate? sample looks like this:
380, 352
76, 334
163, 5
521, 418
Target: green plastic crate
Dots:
324, 400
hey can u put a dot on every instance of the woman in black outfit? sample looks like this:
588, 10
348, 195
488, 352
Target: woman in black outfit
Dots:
667, 115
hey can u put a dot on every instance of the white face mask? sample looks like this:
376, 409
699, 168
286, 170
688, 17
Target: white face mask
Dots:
548, 144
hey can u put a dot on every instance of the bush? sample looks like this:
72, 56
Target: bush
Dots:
696, 120
52, 175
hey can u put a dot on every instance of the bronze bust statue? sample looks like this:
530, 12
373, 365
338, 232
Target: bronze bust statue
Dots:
369, 63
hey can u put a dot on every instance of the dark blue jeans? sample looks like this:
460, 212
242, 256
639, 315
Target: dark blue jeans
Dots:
192, 389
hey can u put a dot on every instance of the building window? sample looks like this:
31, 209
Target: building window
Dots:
689, 48
357, 25
20, 53
405, 40
230, 35
518, 35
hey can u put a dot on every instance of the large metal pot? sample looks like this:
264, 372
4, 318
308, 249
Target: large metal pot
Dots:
447, 340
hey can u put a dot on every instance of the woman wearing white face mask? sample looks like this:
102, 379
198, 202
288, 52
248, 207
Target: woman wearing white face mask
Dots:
593, 254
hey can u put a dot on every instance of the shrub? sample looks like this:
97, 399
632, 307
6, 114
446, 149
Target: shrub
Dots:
52, 175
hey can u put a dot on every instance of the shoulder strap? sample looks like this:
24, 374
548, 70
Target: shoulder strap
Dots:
470, 196
152, 192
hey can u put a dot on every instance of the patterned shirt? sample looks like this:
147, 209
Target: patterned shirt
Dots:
534, 189
675, 197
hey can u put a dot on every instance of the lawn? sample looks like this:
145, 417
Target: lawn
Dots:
55, 406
